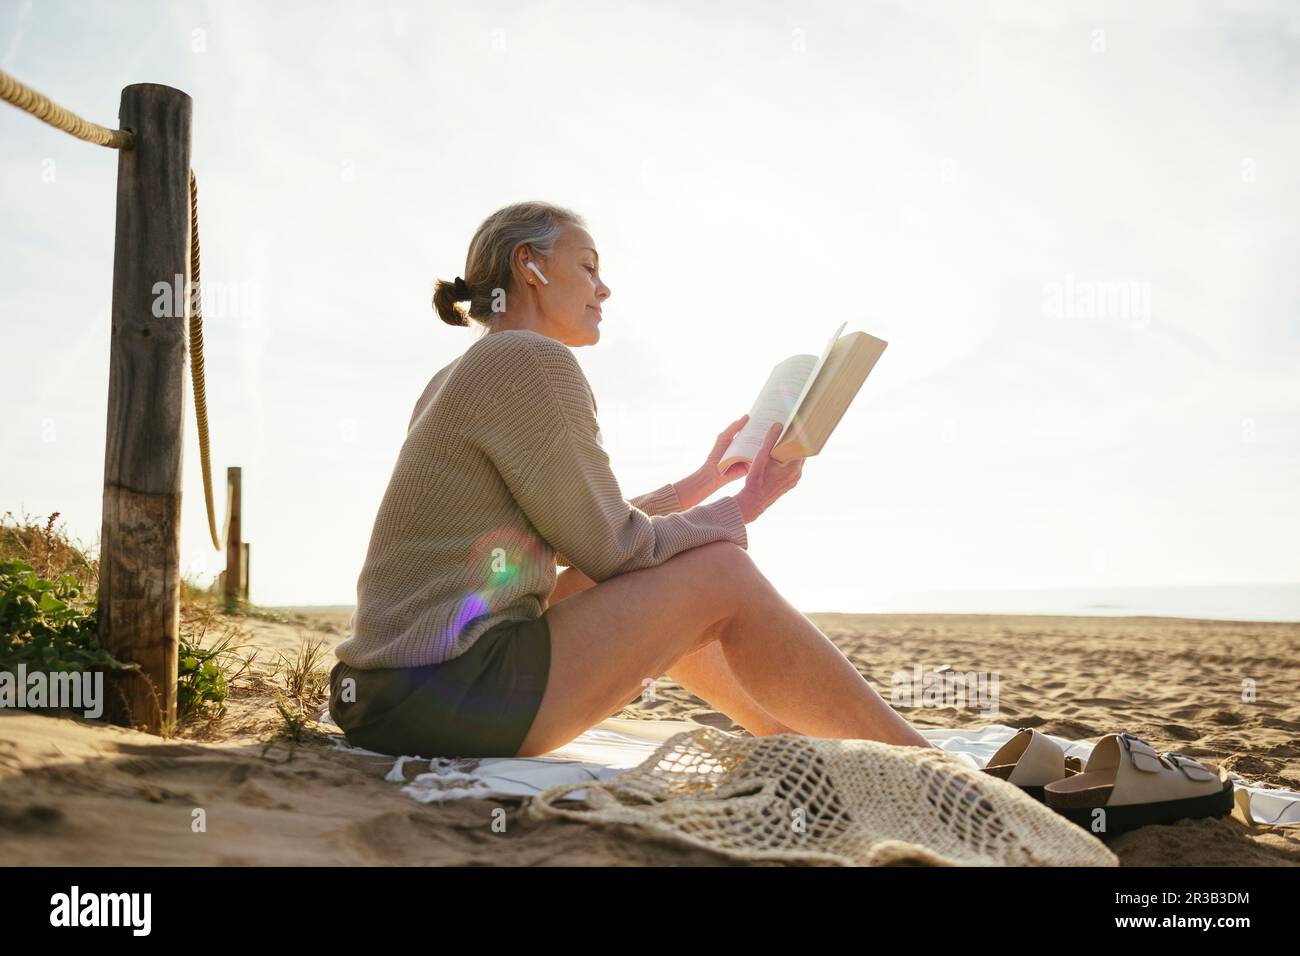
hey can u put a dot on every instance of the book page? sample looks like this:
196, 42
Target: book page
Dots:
775, 403
812, 378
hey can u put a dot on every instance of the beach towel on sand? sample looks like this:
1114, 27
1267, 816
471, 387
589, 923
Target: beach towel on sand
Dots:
856, 802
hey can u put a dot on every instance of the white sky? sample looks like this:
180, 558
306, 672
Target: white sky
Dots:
960, 179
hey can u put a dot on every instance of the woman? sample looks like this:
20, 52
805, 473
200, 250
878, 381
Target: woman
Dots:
466, 643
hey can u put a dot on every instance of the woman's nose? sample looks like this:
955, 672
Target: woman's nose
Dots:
602, 292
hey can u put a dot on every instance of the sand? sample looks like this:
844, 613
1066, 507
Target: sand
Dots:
77, 792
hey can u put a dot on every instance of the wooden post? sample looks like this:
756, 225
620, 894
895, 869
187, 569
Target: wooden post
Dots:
140, 543
245, 573
234, 544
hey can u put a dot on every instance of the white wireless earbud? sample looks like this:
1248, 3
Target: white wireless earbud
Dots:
533, 265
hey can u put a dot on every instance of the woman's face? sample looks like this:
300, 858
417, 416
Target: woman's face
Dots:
571, 298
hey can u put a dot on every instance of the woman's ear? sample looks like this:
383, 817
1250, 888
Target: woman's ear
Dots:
523, 255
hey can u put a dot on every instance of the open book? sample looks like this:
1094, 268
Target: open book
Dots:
809, 396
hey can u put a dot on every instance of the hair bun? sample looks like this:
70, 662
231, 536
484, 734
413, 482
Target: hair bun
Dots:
444, 303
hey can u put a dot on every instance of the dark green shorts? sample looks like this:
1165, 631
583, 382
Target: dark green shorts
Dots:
480, 704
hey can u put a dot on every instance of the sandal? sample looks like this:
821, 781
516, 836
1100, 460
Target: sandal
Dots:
1126, 785
1031, 760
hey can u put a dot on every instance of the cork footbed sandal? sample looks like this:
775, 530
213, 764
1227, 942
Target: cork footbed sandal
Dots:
1031, 760
1134, 786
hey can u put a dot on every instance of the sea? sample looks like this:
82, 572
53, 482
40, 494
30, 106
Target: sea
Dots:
1220, 602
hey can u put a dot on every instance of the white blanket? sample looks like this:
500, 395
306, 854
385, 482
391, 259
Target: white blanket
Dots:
619, 743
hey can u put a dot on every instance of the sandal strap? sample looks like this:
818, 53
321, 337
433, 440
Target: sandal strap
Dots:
1145, 757
1142, 754
1190, 768
1037, 758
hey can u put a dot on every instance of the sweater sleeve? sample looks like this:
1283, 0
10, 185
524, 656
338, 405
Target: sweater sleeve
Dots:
537, 425
661, 501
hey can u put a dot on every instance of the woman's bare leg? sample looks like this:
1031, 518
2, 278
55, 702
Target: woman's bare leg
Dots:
568, 582
708, 676
704, 673
607, 640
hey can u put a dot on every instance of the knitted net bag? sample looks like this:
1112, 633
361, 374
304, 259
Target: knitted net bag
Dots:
810, 800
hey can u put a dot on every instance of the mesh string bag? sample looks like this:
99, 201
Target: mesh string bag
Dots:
818, 801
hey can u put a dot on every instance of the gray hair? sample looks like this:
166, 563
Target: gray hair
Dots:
489, 263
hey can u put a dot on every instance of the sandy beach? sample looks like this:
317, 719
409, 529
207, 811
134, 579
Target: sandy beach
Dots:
79, 793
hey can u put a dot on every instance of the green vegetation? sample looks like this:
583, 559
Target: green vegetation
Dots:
49, 625
49, 619
205, 674
49, 622
307, 684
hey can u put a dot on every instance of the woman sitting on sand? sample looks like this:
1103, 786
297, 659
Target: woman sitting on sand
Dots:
466, 643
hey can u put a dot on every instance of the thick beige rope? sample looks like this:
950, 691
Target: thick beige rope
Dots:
196, 360
25, 98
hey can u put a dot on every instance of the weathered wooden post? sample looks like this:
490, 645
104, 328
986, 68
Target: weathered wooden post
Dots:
139, 571
234, 579
244, 575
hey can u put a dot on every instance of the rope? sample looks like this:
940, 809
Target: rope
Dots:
196, 360
25, 98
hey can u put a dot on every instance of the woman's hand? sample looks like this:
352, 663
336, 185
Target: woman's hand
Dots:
738, 469
705, 480
767, 480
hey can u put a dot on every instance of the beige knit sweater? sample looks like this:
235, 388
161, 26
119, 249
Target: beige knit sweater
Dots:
502, 466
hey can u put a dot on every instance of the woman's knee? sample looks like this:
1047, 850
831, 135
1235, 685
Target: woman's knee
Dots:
729, 559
